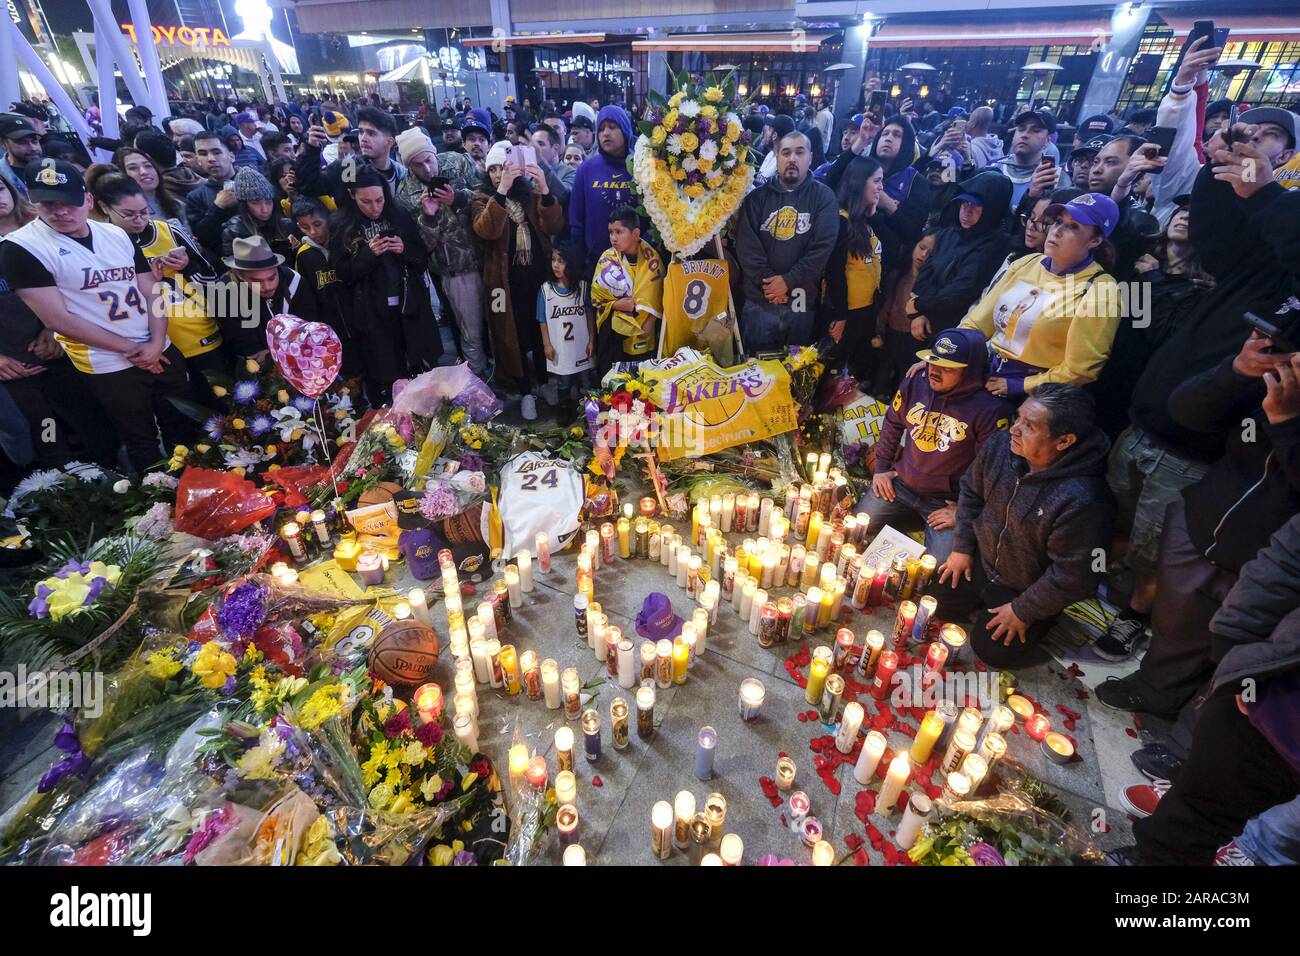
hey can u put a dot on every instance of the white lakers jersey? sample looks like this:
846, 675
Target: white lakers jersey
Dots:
538, 493
98, 287
566, 324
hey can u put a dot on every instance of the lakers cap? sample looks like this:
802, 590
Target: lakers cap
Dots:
948, 351
55, 180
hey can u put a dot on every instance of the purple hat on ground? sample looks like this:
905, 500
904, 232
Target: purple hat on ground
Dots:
420, 548
657, 622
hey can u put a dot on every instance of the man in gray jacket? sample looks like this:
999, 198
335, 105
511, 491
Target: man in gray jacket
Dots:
1033, 517
788, 229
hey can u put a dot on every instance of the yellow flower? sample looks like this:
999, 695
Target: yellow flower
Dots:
695, 190
203, 449
670, 119
162, 665
282, 396
690, 142
296, 435
272, 467
237, 423
676, 98
706, 165
180, 451
252, 367
713, 94
415, 753
733, 131
658, 135
218, 391
679, 174
380, 796
238, 471
325, 703
709, 112
457, 416
212, 665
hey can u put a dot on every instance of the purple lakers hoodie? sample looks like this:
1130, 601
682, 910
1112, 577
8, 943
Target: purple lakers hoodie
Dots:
944, 430
600, 185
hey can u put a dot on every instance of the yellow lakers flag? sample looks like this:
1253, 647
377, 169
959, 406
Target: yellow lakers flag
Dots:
696, 299
704, 408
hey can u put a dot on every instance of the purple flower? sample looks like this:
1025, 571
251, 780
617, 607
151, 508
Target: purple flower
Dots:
39, 607
92, 594
215, 428
464, 858
471, 462
246, 391
439, 501
398, 723
303, 404
683, 124
73, 567
214, 825
76, 760
261, 424
428, 734
228, 687
242, 610
985, 855
703, 126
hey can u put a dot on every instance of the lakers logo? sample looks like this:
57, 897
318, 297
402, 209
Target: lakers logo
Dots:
787, 222
49, 176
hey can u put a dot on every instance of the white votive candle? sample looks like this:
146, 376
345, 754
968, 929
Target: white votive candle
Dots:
524, 561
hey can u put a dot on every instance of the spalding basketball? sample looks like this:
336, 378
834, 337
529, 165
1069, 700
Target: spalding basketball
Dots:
404, 654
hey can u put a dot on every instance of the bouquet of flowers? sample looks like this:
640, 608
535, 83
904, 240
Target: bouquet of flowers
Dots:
374, 457
691, 162
1004, 830
54, 501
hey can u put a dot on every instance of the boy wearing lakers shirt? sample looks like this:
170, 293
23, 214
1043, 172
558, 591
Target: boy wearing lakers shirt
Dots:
94, 289
627, 291
947, 414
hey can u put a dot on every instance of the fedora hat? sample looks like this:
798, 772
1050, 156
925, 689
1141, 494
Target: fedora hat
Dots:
251, 253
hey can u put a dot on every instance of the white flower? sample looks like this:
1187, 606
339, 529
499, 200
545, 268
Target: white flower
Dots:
87, 473
156, 523
689, 108
709, 149
729, 119
638, 407
675, 144
36, 481
288, 419
159, 479
340, 403
689, 164
122, 487
246, 457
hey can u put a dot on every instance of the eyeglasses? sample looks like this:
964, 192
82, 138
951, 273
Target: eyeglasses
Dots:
136, 215
1027, 220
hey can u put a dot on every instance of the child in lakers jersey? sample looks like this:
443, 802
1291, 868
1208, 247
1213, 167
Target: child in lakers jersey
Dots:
567, 325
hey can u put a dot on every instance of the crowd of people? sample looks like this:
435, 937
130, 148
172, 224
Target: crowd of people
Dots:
1087, 337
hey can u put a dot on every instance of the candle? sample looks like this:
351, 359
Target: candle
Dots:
923, 744
879, 577
924, 609
478, 655
464, 685
495, 676
837, 598
814, 530
956, 787
627, 510
797, 806
428, 702
994, 746
823, 854
700, 620
607, 545
886, 665
566, 824
731, 849
683, 816
626, 667
818, 668
596, 634
532, 674
752, 693
832, 693
843, 648
756, 610
419, 606
850, 724
648, 668
962, 743
536, 774
624, 538
903, 623
825, 607
518, 763
370, 567
542, 545
873, 748
663, 663
970, 721
648, 507
1057, 748
974, 768
1001, 720
785, 771
566, 784
747, 598
613, 638
466, 732
834, 550
872, 646
693, 565
667, 549
1037, 726
513, 586
654, 544
928, 564
768, 625
571, 689
641, 538
936, 655
292, 535
661, 822
645, 712
619, 733
510, 668
812, 610
574, 855
681, 658
1022, 707
524, 561
346, 553
900, 768
913, 573
551, 683
683, 565
591, 733
811, 570
765, 516
897, 577
917, 812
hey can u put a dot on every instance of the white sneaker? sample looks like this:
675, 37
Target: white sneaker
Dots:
528, 408
550, 394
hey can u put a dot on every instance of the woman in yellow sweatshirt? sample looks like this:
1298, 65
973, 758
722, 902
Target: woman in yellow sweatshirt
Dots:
1052, 317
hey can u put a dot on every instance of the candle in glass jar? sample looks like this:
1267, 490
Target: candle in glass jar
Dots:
613, 637
1037, 726
681, 660
536, 772
641, 538
832, 693
811, 569
814, 530
518, 764
797, 807
785, 772
765, 516
705, 745
731, 849
566, 824
524, 562
688, 638
850, 725
346, 553
291, 533
928, 564
566, 784
903, 623
627, 669
661, 824
873, 748
619, 730
542, 545
924, 610
936, 655
664, 664
574, 855
693, 565
812, 609
596, 634
591, 733
932, 726
900, 768
464, 684
419, 606
700, 621
370, 568
823, 853
564, 751
994, 746
756, 610
752, 693
532, 674
466, 731
914, 817
747, 598
510, 669
551, 683
872, 646
607, 544
886, 665
956, 787
962, 743
975, 768
571, 688
428, 702
648, 668
495, 676
645, 712
684, 556
836, 598
513, 586
818, 669
683, 816
843, 649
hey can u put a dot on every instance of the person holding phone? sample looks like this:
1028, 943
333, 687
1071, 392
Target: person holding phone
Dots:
1177, 111
1027, 165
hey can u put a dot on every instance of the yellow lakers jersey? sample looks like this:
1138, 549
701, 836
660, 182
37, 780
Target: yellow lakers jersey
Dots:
696, 292
188, 322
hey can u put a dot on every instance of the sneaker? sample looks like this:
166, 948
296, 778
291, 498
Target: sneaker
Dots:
1157, 762
1123, 856
550, 394
528, 408
1117, 693
1232, 855
1141, 799
1120, 640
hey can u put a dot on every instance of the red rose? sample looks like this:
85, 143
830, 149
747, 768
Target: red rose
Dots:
377, 458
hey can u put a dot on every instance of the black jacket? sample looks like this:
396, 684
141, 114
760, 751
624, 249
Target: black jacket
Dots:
1254, 488
293, 296
206, 218
313, 179
1038, 533
1252, 248
964, 260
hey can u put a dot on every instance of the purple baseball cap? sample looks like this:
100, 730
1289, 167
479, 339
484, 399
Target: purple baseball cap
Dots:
1093, 209
657, 622
420, 548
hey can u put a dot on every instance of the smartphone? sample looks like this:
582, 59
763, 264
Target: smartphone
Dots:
1216, 36
876, 103
525, 156
1281, 344
1163, 138
960, 124
437, 182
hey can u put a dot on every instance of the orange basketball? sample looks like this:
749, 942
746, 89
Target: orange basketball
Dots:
404, 654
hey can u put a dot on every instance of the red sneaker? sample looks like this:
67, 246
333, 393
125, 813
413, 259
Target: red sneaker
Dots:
1141, 799
1232, 855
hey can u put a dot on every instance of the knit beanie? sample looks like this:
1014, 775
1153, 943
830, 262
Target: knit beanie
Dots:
498, 154
411, 143
250, 184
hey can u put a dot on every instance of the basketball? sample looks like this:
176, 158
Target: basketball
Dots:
404, 654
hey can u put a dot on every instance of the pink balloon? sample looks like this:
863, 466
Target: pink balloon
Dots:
308, 354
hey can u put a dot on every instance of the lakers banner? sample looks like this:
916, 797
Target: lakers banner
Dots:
704, 408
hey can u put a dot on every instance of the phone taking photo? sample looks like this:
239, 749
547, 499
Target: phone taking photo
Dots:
1162, 137
1266, 329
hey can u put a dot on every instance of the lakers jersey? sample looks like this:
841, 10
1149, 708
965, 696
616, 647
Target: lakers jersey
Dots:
538, 493
696, 292
188, 322
98, 287
565, 315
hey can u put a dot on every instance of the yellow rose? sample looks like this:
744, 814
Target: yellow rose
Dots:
679, 174
676, 98
709, 111
690, 142
657, 136
252, 367
706, 165
218, 391
733, 131
695, 190
203, 449
180, 451
237, 471
441, 855
272, 467
670, 119
282, 396
270, 449
296, 435
237, 423
713, 94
